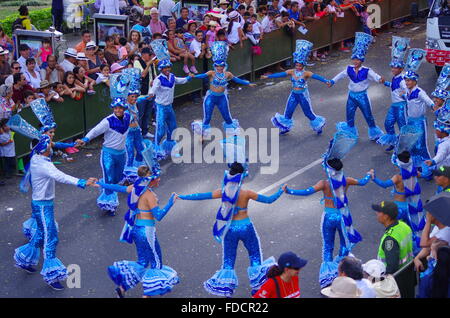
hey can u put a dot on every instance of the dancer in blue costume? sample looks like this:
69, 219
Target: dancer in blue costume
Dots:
43, 174
299, 93
217, 95
140, 220
396, 113
359, 78
336, 215
163, 88
48, 127
417, 101
113, 156
233, 225
441, 95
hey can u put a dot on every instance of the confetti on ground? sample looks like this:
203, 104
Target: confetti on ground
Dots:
9, 209
270, 83
86, 216
88, 155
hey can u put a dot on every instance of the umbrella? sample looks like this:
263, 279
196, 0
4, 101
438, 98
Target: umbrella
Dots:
439, 207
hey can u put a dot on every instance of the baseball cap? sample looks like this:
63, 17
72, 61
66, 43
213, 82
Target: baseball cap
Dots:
291, 260
443, 171
387, 207
374, 268
24, 47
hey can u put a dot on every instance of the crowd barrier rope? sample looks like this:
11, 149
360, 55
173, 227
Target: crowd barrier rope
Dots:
78, 117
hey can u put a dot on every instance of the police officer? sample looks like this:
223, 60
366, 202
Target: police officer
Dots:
442, 178
396, 247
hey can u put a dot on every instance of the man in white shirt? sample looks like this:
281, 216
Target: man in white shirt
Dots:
25, 52
197, 48
109, 7
70, 60
43, 177
165, 9
268, 23
53, 73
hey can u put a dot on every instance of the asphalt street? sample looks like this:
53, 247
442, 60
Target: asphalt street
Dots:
89, 239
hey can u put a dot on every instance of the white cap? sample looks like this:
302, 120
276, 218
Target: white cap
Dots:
374, 268
153, 10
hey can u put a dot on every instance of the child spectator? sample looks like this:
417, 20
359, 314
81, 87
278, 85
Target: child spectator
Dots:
44, 52
47, 93
248, 31
123, 53
28, 97
179, 51
103, 76
83, 80
76, 91
7, 149
189, 36
211, 33
257, 28
61, 89
198, 49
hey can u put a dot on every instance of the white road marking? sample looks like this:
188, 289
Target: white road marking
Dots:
291, 176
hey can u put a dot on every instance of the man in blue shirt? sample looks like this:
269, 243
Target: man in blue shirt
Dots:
144, 29
183, 19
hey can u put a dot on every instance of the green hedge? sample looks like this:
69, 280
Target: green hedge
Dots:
41, 19
31, 3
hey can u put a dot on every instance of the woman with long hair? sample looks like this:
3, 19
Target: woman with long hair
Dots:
70, 85
133, 41
33, 77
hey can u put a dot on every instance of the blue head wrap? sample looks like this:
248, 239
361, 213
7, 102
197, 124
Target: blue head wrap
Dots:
163, 64
399, 48
440, 93
362, 43
119, 101
302, 50
442, 122
43, 144
411, 75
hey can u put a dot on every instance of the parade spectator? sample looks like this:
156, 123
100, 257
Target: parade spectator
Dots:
33, 77
287, 4
189, 36
268, 23
442, 177
5, 41
57, 13
44, 52
7, 105
144, 29
285, 23
198, 49
235, 33
171, 24
46, 92
165, 10
248, 31
241, 11
101, 55
147, 5
223, 6
283, 280
123, 52
103, 76
7, 150
145, 103
437, 283
109, 7
274, 7
82, 60
351, 267
342, 287
183, 19
19, 87
5, 68
294, 14
308, 13
85, 39
93, 60
261, 13
258, 31
25, 19
16, 68
111, 52
70, 60
25, 53
28, 97
396, 249
384, 285
84, 81
179, 50
205, 25
134, 39
53, 72
156, 25
211, 33
74, 90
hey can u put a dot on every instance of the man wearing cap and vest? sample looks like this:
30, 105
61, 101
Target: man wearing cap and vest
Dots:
396, 247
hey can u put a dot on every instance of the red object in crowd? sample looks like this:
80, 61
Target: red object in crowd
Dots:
438, 57
287, 290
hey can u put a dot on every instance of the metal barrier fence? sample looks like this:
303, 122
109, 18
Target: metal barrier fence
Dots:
77, 117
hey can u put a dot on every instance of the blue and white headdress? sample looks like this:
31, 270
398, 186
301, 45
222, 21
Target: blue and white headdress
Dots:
442, 83
399, 47
442, 122
119, 85
302, 50
139, 187
20, 125
119, 101
43, 113
361, 46
135, 80
413, 62
161, 51
219, 52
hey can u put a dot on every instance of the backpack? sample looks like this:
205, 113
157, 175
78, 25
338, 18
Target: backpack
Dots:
17, 24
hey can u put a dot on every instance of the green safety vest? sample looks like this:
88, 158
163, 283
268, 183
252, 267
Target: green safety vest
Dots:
403, 235
447, 190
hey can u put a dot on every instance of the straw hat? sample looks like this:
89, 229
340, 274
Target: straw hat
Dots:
116, 67
3, 51
44, 84
213, 23
216, 13
82, 57
342, 287
71, 52
223, 2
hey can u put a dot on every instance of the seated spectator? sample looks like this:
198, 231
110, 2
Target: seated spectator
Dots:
189, 36
198, 49
25, 53
103, 76
93, 60
171, 24
5, 68
133, 42
342, 287
5, 41
308, 13
268, 23
83, 80
7, 149
111, 52
204, 27
53, 72
235, 33
46, 92
7, 105
70, 60
85, 39
33, 77
283, 281
384, 285
179, 51
156, 25
44, 52
183, 19
437, 283
351, 267
101, 55
144, 29
16, 68
20, 85
116, 68
61, 89
74, 90
82, 60
123, 52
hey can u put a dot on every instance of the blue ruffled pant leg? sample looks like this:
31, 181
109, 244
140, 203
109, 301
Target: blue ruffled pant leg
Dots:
134, 147
419, 152
113, 163
395, 114
316, 122
285, 122
361, 100
46, 237
331, 222
165, 125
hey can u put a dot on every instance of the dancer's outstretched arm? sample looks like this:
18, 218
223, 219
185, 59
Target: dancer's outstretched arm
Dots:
115, 187
308, 74
266, 199
382, 183
159, 213
319, 186
217, 194
359, 182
